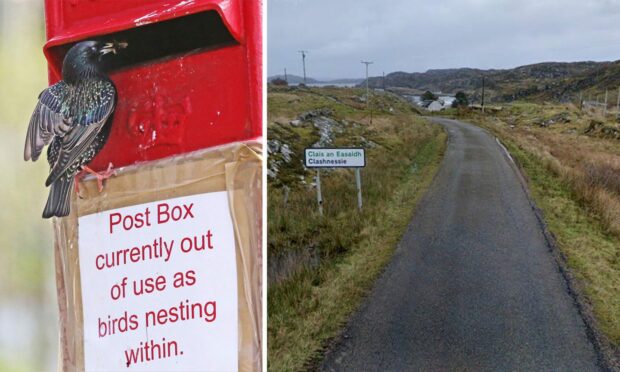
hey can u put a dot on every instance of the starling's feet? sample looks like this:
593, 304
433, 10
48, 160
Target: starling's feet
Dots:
76, 180
79, 177
101, 176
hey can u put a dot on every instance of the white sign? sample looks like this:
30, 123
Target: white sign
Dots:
159, 286
335, 158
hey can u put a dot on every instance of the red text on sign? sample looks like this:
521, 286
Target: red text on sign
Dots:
122, 324
149, 285
165, 213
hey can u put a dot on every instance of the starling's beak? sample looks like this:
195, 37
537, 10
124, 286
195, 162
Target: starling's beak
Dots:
113, 47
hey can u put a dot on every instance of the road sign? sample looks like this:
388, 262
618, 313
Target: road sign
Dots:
334, 158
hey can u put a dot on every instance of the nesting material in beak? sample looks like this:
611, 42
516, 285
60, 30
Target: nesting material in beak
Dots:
113, 47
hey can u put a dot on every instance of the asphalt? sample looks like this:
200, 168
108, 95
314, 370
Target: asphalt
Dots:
473, 285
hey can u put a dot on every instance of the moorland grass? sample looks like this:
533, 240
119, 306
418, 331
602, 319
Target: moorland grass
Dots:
321, 267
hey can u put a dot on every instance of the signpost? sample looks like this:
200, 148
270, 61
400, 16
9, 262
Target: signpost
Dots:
336, 158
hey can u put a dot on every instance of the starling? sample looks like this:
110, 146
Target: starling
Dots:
74, 117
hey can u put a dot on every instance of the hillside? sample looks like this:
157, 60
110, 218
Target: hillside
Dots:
553, 81
292, 79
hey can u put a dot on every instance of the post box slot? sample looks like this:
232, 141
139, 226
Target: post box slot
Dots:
155, 41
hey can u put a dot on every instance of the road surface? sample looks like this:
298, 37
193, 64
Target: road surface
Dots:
472, 285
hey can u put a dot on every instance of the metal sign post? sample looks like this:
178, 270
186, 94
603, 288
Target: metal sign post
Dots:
319, 196
336, 158
358, 183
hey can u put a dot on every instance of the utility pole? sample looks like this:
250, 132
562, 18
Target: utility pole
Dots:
367, 89
483, 94
580, 101
303, 60
618, 105
285, 76
383, 73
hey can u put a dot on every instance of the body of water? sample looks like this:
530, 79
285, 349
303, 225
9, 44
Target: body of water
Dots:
340, 85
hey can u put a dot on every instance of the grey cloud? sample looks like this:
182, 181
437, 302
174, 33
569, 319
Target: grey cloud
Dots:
419, 35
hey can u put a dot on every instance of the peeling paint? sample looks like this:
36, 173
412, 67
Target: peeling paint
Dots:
160, 122
145, 20
184, 3
150, 18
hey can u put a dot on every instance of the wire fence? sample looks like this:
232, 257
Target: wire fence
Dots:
607, 103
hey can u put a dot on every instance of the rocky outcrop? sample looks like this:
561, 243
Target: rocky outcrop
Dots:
279, 153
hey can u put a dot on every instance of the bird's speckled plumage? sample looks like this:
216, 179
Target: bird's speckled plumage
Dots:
73, 116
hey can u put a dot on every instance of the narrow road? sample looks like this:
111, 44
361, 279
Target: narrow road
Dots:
472, 285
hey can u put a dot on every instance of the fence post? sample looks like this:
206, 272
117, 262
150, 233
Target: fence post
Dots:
286, 192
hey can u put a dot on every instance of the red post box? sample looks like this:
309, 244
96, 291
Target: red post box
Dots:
190, 79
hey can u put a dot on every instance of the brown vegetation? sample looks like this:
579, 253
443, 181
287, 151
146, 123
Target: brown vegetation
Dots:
320, 267
574, 175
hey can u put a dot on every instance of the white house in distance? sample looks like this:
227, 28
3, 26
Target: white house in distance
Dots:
435, 106
444, 102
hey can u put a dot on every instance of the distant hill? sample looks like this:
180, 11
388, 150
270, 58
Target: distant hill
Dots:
344, 81
294, 79
557, 81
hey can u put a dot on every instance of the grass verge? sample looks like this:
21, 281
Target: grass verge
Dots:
573, 176
592, 253
311, 307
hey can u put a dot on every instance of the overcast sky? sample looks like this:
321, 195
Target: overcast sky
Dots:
414, 36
